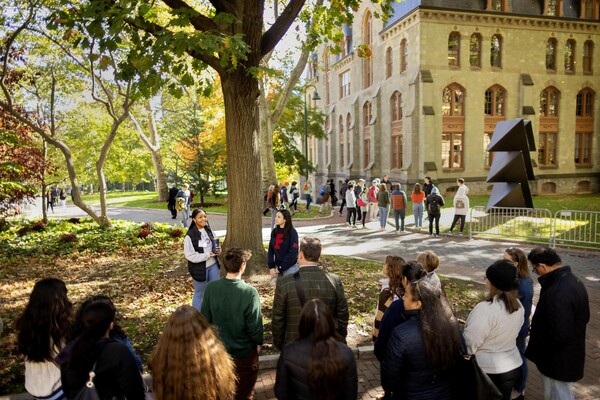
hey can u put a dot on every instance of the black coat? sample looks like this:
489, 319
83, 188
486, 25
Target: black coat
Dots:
172, 195
557, 338
405, 371
292, 372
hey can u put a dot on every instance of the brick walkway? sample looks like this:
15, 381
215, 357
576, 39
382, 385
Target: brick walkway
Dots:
462, 258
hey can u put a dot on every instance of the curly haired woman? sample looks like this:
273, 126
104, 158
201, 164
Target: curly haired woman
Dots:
189, 361
44, 327
391, 289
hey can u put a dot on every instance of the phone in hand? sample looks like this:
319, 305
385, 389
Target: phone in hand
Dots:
216, 246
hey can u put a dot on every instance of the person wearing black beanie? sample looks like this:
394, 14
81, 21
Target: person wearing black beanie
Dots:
493, 326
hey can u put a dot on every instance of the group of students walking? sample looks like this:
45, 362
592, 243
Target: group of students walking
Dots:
210, 350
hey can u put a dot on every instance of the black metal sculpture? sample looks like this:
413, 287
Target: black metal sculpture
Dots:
511, 167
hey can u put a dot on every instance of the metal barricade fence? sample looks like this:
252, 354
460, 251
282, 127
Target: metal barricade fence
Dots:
512, 223
576, 227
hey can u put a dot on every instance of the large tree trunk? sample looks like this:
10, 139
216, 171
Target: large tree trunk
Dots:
244, 222
267, 159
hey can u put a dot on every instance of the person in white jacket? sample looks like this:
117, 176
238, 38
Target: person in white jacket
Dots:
350, 198
461, 206
493, 326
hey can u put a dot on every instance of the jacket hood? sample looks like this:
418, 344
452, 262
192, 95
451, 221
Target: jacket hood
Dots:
462, 190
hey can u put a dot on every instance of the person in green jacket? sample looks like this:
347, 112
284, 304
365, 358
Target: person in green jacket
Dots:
233, 307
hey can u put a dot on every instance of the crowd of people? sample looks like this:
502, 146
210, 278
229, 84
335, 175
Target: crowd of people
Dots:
55, 196
210, 350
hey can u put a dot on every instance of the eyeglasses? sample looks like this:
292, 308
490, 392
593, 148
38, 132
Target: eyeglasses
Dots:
535, 268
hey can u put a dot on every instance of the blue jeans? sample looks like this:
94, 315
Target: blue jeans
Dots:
308, 201
383, 215
212, 274
557, 390
185, 214
399, 215
418, 214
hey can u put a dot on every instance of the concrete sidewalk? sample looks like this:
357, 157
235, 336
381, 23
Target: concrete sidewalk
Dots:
461, 258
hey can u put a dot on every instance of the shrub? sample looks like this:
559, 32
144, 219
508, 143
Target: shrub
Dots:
39, 226
176, 233
148, 226
74, 220
67, 238
144, 233
24, 231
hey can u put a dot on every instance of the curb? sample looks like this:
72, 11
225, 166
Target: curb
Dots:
268, 361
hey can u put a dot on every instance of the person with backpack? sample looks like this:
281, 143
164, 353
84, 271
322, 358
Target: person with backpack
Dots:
373, 206
434, 203
183, 205
308, 188
358, 189
399, 202
172, 201
294, 194
325, 194
350, 200
343, 189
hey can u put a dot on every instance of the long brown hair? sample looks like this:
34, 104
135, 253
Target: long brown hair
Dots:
189, 362
440, 333
394, 272
517, 255
326, 368
511, 303
417, 189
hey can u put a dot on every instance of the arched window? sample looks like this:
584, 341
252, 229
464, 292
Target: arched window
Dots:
570, 56
368, 59
366, 134
397, 129
588, 57
342, 137
453, 126
494, 110
403, 55
551, 54
548, 137
454, 49
475, 50
584, 126
553, 7
496, 51
389, 65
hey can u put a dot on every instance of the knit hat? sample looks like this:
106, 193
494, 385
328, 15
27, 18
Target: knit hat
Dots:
503, 275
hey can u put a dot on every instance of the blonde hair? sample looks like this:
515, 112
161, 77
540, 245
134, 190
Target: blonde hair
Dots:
189, 362
429, 260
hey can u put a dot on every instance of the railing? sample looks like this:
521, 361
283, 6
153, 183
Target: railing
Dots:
581, 228
532, 224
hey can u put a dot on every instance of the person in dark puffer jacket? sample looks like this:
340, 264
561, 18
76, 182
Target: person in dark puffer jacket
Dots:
317, 365
422, 351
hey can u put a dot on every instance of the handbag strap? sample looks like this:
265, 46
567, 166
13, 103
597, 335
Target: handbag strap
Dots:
299, 288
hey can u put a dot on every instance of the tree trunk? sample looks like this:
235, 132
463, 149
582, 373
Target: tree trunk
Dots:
244, 222
267, 166
157, 159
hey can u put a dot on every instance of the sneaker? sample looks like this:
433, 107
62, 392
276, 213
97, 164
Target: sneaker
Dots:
449, 233
355, 227
437, 235
430, 236
460, 233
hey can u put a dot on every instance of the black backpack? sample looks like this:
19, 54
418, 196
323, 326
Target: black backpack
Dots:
434, 206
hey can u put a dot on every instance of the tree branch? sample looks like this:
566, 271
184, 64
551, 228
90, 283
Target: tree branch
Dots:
271, 37
199, 21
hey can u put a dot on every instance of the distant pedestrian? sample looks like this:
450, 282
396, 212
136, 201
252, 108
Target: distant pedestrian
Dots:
308, 188
557, 339
387, 182
350, 200
383, 202
171, 201
373, 206
274, 203
427, 187
63, 198
343, 189
233, 307
284, 194
399, 202
418, 197
357, 191
434, 203
295, 195
363, 203
185, 204
49, 200
54, 195
461, 206
325, 194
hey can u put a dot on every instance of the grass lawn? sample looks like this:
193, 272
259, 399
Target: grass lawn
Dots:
148, 280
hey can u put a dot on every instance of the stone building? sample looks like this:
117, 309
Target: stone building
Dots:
441, 73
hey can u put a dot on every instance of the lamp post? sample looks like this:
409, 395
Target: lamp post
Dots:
315, 97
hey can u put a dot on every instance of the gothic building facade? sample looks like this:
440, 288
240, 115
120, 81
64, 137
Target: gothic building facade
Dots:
420, 94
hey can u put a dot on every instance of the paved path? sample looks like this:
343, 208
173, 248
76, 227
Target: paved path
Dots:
460, 257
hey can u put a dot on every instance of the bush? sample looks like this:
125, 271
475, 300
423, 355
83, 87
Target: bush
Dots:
74, 220
144, 233
148, 226
39, 226
67, 238
176, 233
24, 231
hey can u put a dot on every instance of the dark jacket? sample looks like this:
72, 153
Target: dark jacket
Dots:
427, 188
198, 270
557, 339
116, 373
286, 305
405, 371
283, 252
526, 297
292, 372
393, 316
434, 199
172, 196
